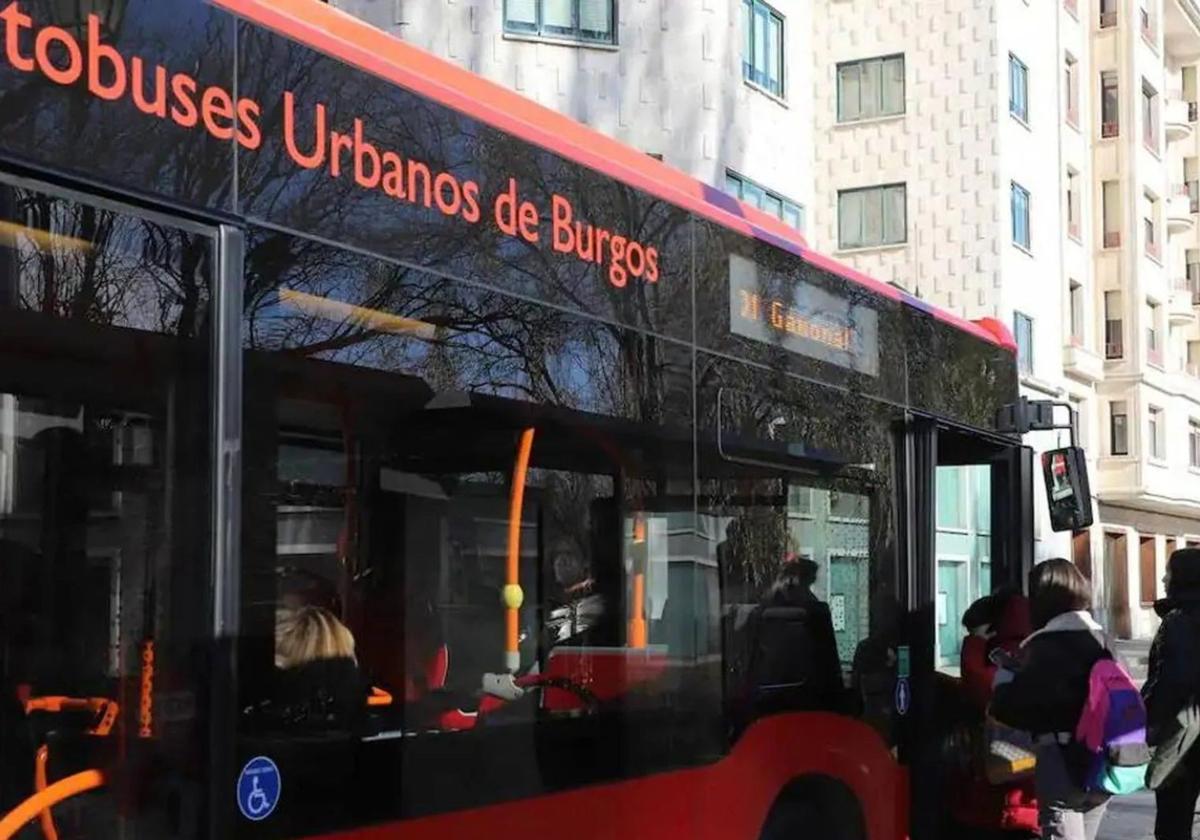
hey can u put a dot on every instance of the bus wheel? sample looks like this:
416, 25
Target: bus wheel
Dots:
817, 808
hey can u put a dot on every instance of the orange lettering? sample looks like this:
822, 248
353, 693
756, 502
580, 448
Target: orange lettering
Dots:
309, 161
652, 267
529, 221
184, 110
12, 37
338, 143
68, 75
364, 153
415, 168
451, 206
215, 105
471, 202
561, 215
393, 175
97, 53
158, 105
249, 135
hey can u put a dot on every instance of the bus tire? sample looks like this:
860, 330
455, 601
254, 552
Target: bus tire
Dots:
814, 808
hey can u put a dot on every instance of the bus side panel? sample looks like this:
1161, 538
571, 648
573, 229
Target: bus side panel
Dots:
729, 800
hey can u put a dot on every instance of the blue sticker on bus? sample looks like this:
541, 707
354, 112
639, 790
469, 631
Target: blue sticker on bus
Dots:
258, 788
903, 696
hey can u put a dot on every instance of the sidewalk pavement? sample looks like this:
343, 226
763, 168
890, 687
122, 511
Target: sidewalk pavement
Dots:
1132, 818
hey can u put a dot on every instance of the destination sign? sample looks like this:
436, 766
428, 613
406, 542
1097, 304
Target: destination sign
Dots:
802, 318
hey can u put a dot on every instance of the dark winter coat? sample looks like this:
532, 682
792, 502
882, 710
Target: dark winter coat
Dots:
1172, 689
1047, 694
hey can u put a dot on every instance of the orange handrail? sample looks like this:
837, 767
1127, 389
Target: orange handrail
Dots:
379, 697
105, 710
512, 595
43, 800
49, 831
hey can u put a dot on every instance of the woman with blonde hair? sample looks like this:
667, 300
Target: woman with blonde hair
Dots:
308, 634
319, 685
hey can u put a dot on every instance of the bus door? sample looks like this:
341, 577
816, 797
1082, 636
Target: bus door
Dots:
967, 532
106, 487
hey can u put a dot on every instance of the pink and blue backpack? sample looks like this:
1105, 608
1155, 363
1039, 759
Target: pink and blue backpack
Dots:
1111, 734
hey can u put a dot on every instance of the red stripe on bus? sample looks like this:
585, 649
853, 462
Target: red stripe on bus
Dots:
359, 44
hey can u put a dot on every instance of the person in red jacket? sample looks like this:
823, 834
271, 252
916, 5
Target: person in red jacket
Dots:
1006, 811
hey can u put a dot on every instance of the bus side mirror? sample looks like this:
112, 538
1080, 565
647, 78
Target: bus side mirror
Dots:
1068, 492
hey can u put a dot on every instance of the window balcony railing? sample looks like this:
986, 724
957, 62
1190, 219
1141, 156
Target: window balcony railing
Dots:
1147, 26
1154, 251
1112, 239
1073, 230
1114, 350
1193, 111
1110, 129
1073, 116
1108, 19
1192, 369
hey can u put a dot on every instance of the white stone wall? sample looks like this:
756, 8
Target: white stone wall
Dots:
945, 147
672, 85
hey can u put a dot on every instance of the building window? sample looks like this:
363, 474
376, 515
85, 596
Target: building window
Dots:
1111, 198
1023, 331
1108, 13
1193, 274
1019, 205
1157, 433
1018, 88
1193, 358
762, 46
1147, 571
1073, 199
872, 216
1150, 227
1150, 117
1194, 444
790, 212
1076, 302
1154, 350
870, 88
1110, 119
1114, 332
586, 21
1147, 22
1071, 87
1118, 428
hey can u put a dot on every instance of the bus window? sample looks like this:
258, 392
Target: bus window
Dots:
104, 553
495, 501
794, 493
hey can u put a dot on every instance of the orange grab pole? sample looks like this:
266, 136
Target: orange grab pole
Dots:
513, 596
43, 800
637, 605
39, 784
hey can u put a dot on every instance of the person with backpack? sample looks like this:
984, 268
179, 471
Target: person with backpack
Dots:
1068, 691
1172, 695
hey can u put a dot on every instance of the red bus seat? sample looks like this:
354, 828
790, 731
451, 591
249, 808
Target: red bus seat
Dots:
608, 672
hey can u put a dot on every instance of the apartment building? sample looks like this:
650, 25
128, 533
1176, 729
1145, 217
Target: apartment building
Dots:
1037, 162
720, 89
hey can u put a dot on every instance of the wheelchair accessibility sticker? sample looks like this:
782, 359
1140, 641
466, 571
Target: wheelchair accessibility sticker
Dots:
258, 788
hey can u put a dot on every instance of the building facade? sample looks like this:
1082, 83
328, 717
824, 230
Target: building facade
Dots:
1034, 162
720, 89
1046, 153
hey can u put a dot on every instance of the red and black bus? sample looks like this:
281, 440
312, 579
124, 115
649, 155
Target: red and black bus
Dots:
626, 497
